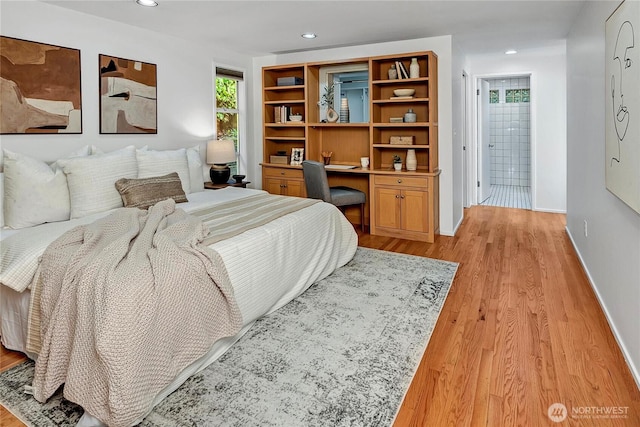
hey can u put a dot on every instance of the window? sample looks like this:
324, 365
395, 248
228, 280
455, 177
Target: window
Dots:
494, 96
229, 87
517, 95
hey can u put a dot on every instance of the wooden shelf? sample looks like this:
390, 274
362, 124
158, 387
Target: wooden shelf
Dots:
391, 171
278, 88
280, 102
285, 138
399, 100
399, 81
287, 124
402, 146
280, 165
339, 125
401, 125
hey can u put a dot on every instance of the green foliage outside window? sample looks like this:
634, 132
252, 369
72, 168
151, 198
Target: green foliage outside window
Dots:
227, 99
227, 112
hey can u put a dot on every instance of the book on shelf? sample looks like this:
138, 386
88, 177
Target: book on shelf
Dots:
399, 70
281, 114
403, 71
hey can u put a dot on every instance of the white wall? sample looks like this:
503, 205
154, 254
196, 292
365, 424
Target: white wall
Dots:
611, 252
547, 68
185, 77
450, 212
457, 135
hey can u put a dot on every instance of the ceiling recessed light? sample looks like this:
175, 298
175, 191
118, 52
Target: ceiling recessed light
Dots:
148, 3
511, 52
309, 36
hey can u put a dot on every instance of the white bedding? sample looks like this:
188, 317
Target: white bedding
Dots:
268, 266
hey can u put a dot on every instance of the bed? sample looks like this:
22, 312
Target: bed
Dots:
268, 266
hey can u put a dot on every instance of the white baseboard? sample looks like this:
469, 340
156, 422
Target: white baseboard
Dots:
560, 211
455, 229
625, 353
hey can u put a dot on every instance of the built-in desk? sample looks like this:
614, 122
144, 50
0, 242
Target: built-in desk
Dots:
399, 204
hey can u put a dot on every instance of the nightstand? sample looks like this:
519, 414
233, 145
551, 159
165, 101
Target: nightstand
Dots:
211, 186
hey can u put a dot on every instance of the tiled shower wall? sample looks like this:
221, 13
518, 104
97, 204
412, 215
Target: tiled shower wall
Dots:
509, 135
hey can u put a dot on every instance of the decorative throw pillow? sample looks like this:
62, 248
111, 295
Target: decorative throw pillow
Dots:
195, 169
145, 192
91, 180
152, 163
34, 193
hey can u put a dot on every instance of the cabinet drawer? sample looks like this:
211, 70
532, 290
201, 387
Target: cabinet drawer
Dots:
400, 181
283, 173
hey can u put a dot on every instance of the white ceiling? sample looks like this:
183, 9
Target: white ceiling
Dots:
259, 28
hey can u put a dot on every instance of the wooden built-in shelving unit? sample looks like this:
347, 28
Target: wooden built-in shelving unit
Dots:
399, 204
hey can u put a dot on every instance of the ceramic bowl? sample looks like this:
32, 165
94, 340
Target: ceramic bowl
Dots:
238, 178
295, 118
404, 92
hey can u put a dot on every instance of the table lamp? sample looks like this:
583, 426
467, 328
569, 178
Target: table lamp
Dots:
219, 154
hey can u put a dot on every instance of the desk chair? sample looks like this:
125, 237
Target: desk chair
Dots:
315, 179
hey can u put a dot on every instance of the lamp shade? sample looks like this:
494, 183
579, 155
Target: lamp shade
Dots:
220, 152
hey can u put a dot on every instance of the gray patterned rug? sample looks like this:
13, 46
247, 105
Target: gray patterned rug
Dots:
342, 354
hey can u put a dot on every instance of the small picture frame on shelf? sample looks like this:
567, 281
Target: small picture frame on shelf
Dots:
297, 156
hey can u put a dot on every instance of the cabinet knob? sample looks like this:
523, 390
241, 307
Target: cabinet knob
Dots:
281, 173
399, 181
402, 197
397, 197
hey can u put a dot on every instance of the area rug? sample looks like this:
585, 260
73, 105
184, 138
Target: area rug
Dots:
341, 354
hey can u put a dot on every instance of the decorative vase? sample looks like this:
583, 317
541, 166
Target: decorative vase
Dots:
414, 69
344, 110
397, 167
412, 162
410, 116
393, 73
332, 115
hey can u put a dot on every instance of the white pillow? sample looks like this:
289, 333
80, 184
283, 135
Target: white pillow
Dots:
81, 152
195, 169
34, 193
153, 163
92, 180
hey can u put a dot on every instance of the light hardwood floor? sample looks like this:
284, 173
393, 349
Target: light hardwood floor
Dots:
521, 329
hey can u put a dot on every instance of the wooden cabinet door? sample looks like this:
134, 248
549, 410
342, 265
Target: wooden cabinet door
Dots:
414, 211
387, 207
273, 186
295, 188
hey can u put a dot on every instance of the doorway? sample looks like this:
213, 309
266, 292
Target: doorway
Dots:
505, 143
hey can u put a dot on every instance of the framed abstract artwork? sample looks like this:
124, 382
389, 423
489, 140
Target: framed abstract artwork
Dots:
40, 90
622, 103
128, 101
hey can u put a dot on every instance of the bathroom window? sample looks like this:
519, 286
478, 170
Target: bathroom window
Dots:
494, 96
517, 95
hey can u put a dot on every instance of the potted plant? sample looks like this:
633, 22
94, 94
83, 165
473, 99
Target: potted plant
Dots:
397, 163
326, 101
